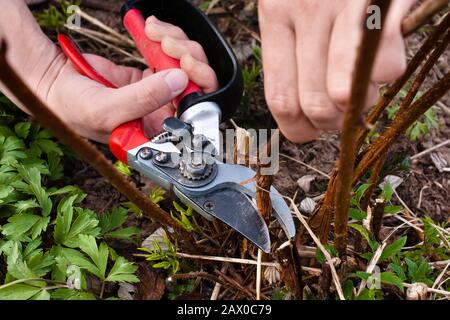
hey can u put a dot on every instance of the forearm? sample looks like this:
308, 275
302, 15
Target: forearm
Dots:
34, 57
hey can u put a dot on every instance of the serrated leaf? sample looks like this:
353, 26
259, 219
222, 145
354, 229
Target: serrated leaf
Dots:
110, 221
124, 234
32, 177
55, 167
122, 271
69, 294
11, 150
22, 129
42, 295
18, 225
74, 257
398, 270
393, 249
24, 205
99, 255
70, 223
390, 278
18, 292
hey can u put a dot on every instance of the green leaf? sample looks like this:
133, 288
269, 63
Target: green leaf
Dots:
398, 270
18, 225
55, 167
348, 289
157, 195
25, 205
22, 129
123, 168
11, 150
124, 234
32, 177
42, 295
99, 255
393, 249
66, 231
390, 278
18, 292
357, 214
387, 192
122, 271
356, 199
110, 221
69, 294
392, 210
362, 275
74, 257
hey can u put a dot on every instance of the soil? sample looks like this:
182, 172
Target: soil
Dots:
238, 21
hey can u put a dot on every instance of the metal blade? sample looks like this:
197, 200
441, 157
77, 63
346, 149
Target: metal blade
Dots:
240, 178
236, 210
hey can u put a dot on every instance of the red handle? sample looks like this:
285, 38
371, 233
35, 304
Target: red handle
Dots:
127, 136
157, 60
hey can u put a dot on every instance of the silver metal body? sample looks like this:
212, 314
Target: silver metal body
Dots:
227, 194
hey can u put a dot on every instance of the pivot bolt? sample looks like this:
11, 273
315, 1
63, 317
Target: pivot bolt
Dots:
209, 206
145, 153
162, 157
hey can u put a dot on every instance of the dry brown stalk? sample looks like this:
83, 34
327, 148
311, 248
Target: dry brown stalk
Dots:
86, 150
400, 124
352, 123
373, 181
390, 93
320, 219
422, 14
425, 70
290, 269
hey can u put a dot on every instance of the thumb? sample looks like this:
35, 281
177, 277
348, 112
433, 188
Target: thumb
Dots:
138, 99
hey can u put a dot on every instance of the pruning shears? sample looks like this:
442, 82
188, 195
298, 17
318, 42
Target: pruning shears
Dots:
182, 158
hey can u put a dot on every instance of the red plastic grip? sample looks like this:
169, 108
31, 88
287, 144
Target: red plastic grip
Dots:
127, 136
152, 52
79, 62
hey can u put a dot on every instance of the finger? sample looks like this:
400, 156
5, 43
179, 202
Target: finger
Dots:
141, 98
312, 53
345, 39
154, 121
200, 73
156, 30
176, 48
390, 62
280, 72
117, 75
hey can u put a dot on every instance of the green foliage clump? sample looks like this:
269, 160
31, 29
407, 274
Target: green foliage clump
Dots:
49, 244
55, 17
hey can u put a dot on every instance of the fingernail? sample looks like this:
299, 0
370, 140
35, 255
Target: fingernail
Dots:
176, 80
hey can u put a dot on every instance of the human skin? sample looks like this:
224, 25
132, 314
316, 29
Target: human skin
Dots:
309, 51
90, 108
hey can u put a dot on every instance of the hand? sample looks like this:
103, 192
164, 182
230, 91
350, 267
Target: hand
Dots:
309, 51
94, 110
